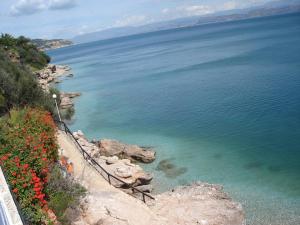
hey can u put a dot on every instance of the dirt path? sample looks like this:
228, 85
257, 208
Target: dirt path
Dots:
104, 204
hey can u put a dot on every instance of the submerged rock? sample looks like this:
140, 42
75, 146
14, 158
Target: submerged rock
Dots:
170, 169
133, 152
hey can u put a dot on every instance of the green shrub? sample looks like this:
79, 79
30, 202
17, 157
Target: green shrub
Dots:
64, 193
18, 85
7, 40
28, 53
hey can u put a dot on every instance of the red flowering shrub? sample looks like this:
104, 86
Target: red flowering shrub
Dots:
27, 150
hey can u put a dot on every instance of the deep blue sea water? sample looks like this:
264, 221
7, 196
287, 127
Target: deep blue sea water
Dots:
220, 101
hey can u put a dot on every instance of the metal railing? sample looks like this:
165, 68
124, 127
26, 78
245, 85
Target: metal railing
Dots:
109, 177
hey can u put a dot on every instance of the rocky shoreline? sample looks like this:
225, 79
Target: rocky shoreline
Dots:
198, 203
52, 74
134, 153
116, 157
110, 156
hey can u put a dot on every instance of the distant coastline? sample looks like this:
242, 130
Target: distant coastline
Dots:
226, 16
44, 44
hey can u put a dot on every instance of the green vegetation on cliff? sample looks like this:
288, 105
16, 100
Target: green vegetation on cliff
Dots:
24, 51
28, 146
18, 85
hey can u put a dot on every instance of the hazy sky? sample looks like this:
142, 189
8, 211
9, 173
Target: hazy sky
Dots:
67, 18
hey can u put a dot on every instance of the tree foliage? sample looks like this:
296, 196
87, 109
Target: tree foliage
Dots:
18, 84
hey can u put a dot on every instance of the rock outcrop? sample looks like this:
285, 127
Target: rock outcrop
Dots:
50, 74
66, 99
131, 174
133, 152
199, 203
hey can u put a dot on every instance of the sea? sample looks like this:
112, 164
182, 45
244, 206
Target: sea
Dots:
220, 103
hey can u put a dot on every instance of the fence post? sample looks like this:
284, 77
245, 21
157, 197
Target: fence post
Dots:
108, 176
65, 128
144, 198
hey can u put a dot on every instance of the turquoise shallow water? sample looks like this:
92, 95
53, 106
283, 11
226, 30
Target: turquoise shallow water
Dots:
221, 102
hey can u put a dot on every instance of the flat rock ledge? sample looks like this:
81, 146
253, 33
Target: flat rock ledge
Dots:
198, 203
133, 152
131, 174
